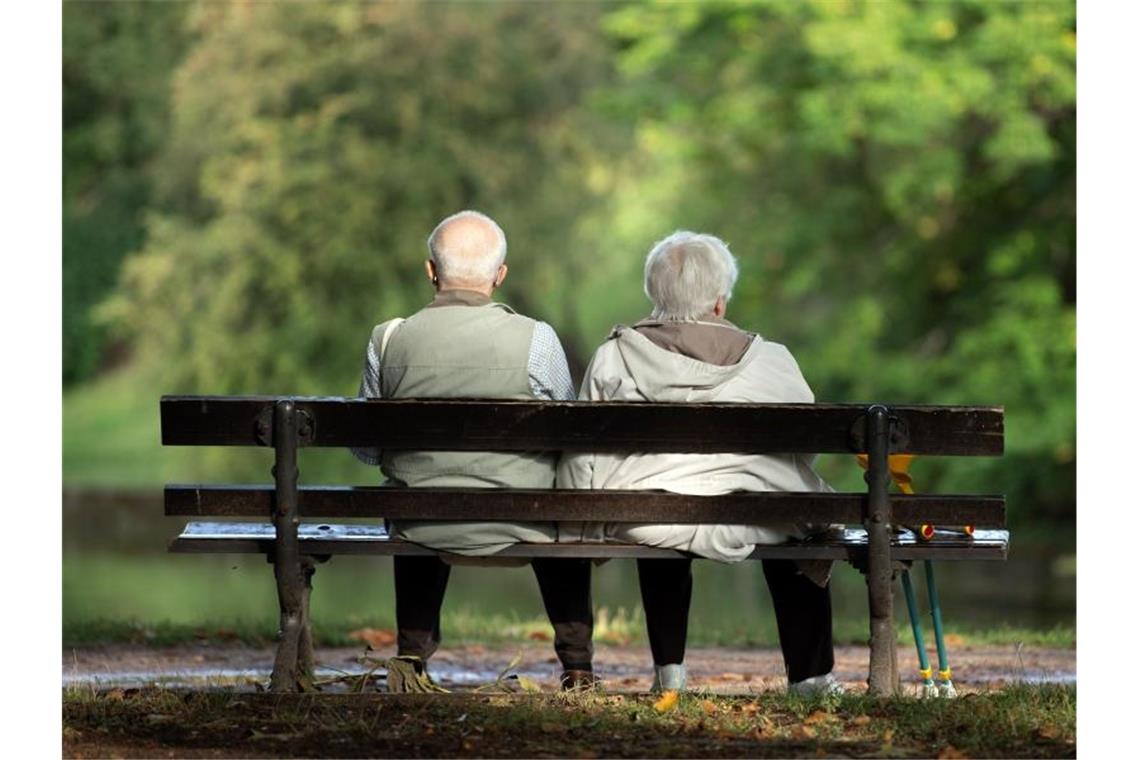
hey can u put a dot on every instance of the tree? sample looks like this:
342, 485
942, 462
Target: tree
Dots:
117, 60
312, 150
898, 180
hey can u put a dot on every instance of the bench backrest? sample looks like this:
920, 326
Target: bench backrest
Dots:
581, 426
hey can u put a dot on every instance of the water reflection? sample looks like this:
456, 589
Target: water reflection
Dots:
116, 566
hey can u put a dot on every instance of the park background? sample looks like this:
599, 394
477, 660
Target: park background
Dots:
248, 187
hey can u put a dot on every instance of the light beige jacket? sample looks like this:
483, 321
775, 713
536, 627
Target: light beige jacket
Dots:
630, 367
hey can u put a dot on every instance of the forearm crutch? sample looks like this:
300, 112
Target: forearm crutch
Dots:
928, 687
945, 685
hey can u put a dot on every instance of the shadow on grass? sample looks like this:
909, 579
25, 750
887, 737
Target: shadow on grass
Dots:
1021, 721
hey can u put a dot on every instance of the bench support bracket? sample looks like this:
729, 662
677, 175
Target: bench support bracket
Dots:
883, 679
293, 665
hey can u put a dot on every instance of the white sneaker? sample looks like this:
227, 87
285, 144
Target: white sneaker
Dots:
817, 686
668, 678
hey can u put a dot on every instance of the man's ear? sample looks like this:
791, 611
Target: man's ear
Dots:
429, 267
500, 276
720, 307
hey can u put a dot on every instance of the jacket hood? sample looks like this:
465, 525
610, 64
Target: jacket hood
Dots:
669, 377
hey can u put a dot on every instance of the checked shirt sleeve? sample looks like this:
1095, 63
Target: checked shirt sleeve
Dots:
369, 388
547, 367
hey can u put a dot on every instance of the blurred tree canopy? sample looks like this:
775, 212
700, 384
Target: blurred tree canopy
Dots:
117, 63
897, 179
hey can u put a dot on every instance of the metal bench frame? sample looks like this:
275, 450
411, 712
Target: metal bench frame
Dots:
289, 423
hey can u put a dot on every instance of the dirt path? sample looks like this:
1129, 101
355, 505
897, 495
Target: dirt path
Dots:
624, 669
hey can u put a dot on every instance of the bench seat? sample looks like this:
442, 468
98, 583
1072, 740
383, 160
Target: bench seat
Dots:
332, 539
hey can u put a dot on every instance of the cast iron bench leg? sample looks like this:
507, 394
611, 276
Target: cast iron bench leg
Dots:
883, 679
292, 667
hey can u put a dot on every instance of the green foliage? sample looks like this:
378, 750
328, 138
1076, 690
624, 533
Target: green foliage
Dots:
117, 62
897, 179
312, 150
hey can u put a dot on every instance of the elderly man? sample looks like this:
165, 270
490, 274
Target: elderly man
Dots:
686, 351
463, 344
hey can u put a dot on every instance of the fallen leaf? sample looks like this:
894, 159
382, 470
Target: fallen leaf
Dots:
862, 720
819, 716
114, 695
667, 702
888, 735
708, 706
953, 640
529, 685
803, 732
538, 636
552, 728
1049, 731
950, 752
614, 638
758, 733
750, 708
377, 638
469, 743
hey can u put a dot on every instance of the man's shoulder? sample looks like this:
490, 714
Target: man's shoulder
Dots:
384, 328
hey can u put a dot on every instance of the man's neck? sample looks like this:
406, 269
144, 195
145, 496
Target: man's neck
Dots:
460, 297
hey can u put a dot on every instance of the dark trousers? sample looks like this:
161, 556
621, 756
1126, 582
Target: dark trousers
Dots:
803, 614
565, 585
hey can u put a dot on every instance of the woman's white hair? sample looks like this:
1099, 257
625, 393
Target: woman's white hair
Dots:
686, 273
467, 248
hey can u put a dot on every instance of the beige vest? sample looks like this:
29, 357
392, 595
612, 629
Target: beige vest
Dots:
460, 351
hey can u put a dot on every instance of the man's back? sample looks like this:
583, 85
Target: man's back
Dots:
462, 345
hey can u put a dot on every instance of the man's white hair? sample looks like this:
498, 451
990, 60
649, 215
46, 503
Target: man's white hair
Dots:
686, 273
467, 248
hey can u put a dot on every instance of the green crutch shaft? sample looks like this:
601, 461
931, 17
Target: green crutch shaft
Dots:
936, 616
915, 624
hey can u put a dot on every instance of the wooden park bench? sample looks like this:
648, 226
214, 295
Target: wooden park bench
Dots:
303, 529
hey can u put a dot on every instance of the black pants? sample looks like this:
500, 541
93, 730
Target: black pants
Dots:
803, 614
565, 585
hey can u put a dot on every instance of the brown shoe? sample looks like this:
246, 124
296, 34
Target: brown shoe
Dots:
579, 680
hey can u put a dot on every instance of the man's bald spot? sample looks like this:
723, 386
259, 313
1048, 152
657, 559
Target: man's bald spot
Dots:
467, 248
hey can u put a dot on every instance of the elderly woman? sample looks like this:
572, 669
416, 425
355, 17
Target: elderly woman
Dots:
686, 351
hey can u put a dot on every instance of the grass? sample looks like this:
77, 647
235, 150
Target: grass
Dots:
619, 628
1019, 721
111, 439
111, 434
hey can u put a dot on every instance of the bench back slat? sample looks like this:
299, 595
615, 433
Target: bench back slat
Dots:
470, 425
580, 505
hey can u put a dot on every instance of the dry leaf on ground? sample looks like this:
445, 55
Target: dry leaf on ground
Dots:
667, 702
819, 716
950, 752
377, 638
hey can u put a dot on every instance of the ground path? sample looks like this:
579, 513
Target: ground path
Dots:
726, 670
